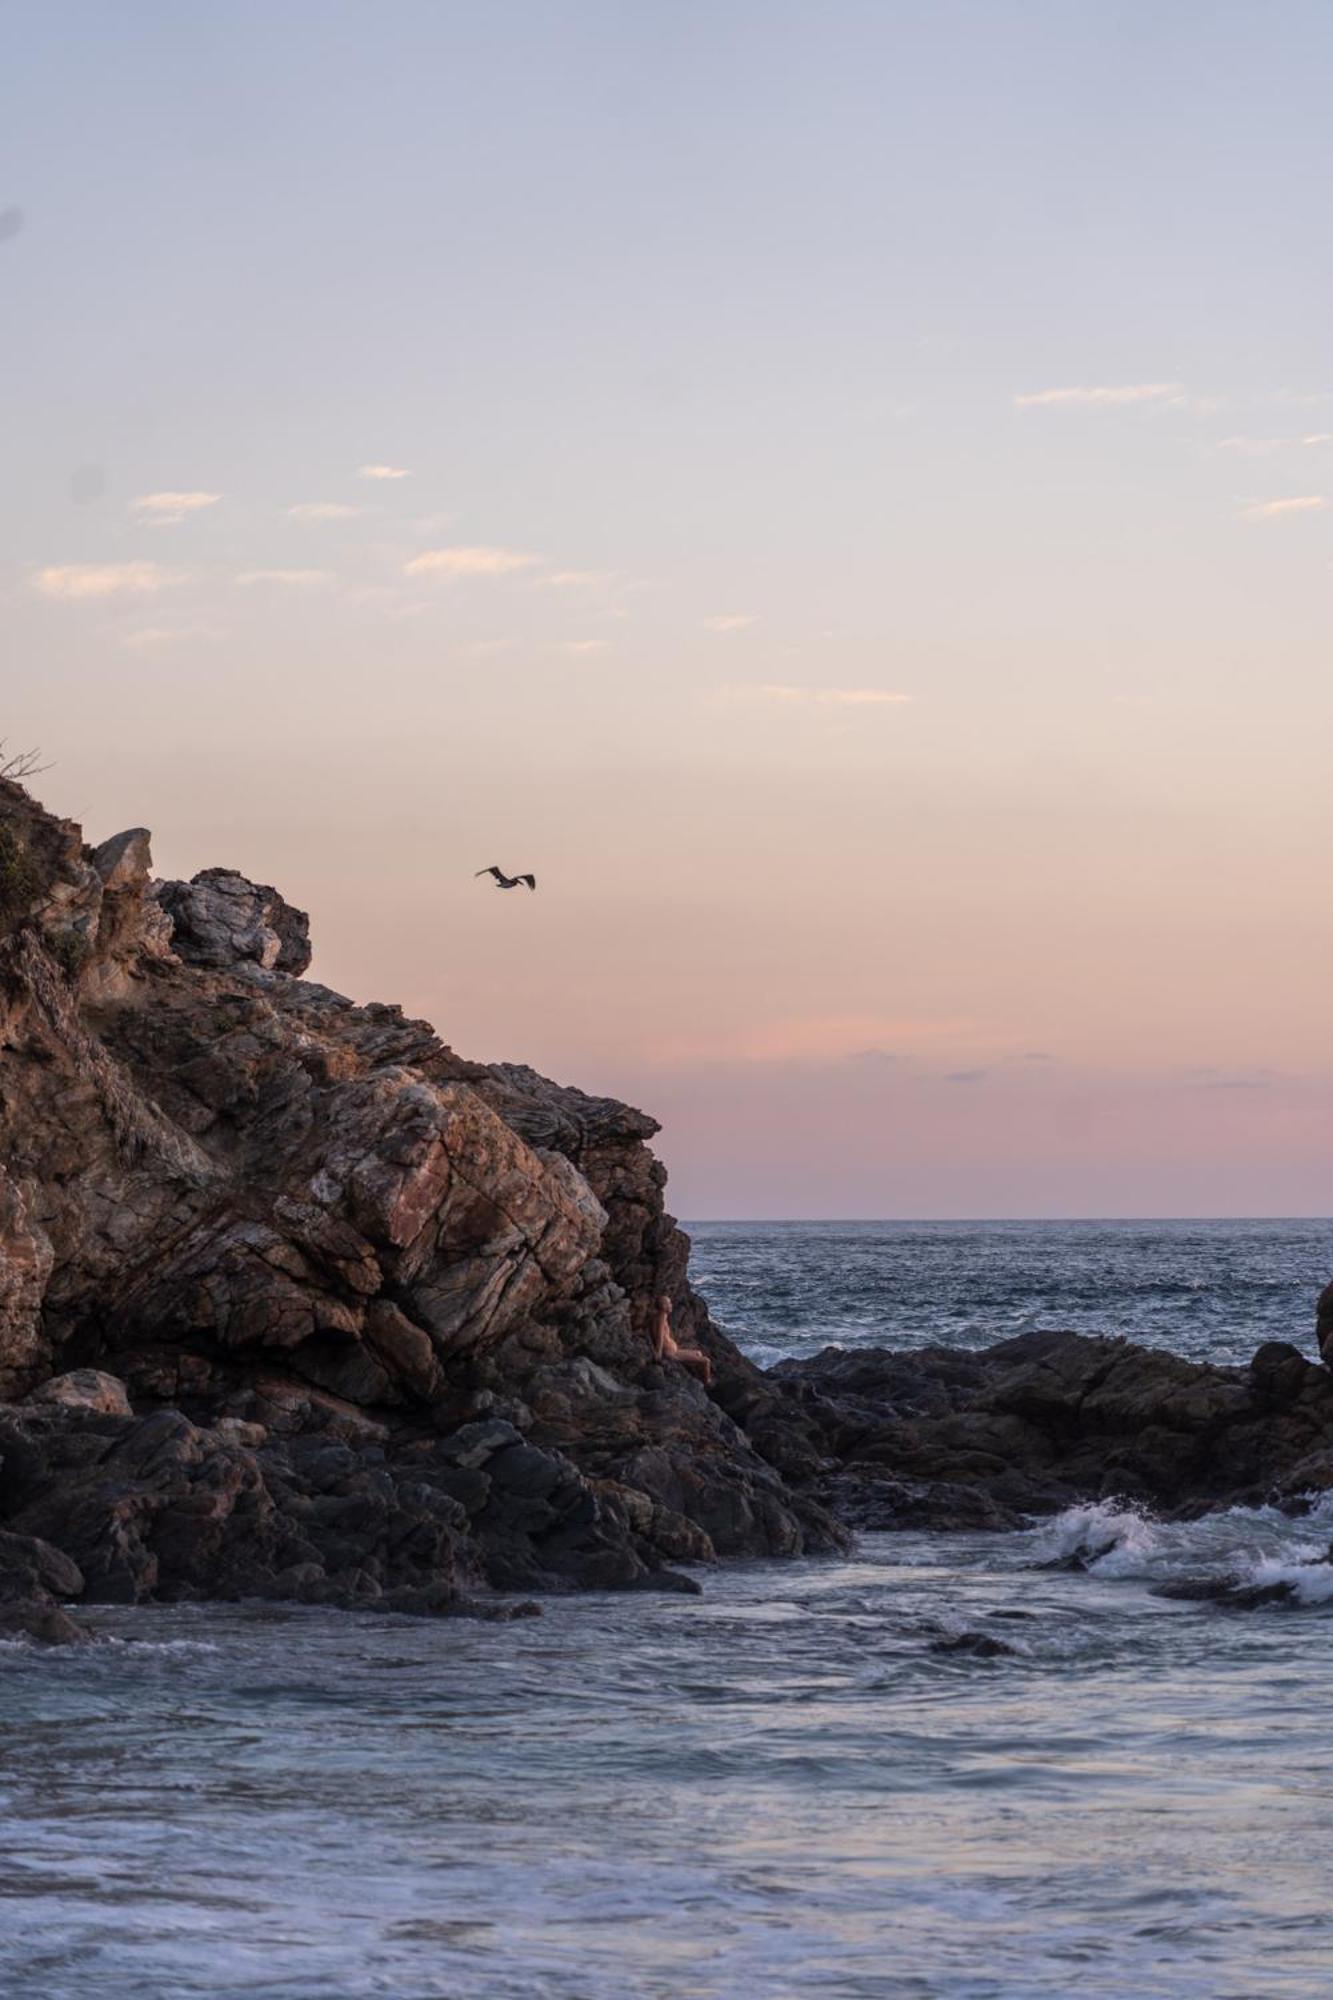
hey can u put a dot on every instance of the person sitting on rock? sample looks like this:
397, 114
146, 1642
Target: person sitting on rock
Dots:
667, 1347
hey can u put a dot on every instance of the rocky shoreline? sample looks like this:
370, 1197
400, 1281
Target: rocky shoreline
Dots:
296, 1303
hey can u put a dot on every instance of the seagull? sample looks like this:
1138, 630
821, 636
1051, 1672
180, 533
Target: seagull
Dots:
503, 881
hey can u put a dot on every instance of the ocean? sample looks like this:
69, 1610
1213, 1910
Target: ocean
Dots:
1211, 1291
777, 1791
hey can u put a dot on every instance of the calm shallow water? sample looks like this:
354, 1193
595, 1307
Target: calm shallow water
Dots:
1207, 1290
776, 1790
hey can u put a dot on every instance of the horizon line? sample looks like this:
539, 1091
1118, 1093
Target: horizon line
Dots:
906, 1221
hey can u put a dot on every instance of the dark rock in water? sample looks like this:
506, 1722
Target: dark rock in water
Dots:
1036, 1424
1195, 1589
1324, 1323
1080, 1559
978, 1645
34, 1576
43, 1624
1232, 1593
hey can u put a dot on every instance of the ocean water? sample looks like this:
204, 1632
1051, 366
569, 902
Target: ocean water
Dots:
1207, 1290
783, 1790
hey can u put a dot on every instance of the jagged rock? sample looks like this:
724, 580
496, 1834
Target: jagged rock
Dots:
220, 919
125, 862
943, 1438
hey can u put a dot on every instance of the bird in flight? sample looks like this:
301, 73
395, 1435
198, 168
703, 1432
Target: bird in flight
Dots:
503, 881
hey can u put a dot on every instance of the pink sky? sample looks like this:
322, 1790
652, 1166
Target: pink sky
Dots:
852, 510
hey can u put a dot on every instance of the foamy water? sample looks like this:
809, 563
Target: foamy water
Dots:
778, 1789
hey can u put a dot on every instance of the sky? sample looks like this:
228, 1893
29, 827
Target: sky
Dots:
843, 492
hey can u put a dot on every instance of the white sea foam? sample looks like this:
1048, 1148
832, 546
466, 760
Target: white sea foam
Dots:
1311, 1582
1116, 1540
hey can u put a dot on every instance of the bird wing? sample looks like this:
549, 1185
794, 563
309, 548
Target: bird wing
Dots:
488, 871
531, 880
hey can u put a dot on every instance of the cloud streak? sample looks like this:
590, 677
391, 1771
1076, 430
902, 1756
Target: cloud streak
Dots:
730, 621
818, 1039
577, 579
469, 562
1273, 510
322, 510
75, 582
1102, 396
149, 638
782, 695
383, 472
165, 508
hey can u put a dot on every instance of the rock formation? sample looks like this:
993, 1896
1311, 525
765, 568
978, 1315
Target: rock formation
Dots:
294, 1301
943, 1438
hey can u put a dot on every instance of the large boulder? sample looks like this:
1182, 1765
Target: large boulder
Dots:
220, 919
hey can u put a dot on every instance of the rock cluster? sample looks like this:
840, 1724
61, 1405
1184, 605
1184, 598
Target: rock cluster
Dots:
294, 1301
939, 1438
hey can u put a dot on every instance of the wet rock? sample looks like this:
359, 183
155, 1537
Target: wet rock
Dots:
975, 1645
1036, 1424
1075, 1562
34, 1578
42, 1625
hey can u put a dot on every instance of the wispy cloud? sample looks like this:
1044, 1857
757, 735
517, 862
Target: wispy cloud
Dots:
383, 472
292, 579
819, 1038
1211, 1078
1259, 447
164, 508
786, 696
585, 646
125, 579
576, 579
1102, 396
460, 562
322, 510
153, 638
1272, 510
965, 1075
729, 621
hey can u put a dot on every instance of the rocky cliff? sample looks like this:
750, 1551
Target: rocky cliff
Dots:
295, 1301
